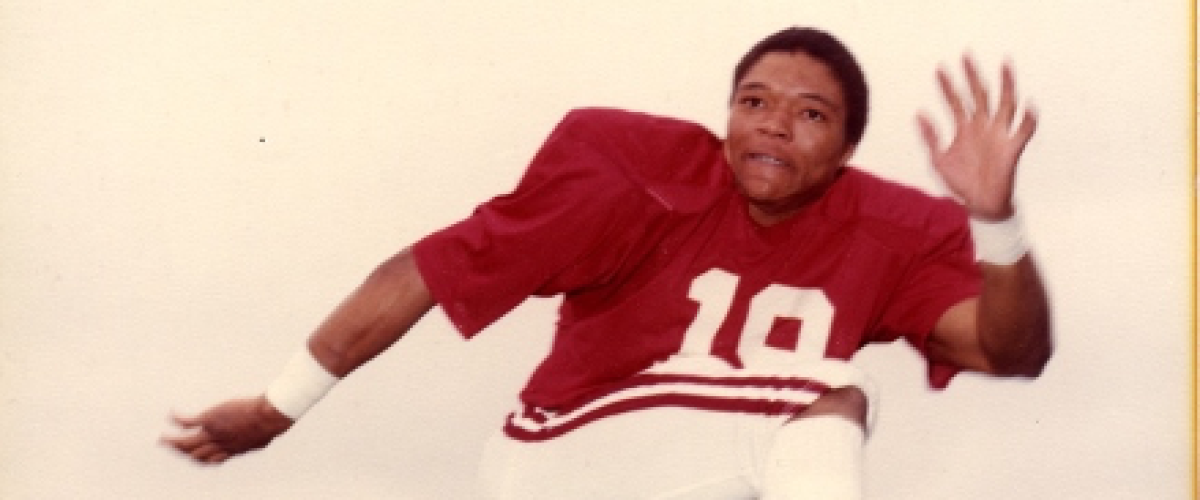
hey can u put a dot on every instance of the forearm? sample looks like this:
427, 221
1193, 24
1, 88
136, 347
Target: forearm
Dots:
1013, 319
377, 314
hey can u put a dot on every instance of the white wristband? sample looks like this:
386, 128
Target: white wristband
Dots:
300, 385
999, 242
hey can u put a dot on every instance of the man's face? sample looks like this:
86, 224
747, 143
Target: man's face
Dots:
786, 138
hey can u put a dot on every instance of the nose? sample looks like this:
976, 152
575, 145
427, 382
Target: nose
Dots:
775, 123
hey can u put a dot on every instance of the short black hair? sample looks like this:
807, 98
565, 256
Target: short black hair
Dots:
829, 50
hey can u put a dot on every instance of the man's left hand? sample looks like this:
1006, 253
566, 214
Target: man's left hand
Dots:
979, 165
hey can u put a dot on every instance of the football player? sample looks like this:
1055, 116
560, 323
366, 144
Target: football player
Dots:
713, 289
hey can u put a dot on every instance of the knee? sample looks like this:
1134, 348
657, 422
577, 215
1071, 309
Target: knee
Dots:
850, 403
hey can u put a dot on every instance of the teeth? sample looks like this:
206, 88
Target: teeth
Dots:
768, 159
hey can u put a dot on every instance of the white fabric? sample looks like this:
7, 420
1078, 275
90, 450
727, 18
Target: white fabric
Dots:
662, 453
815, 458
300, 385
999, 242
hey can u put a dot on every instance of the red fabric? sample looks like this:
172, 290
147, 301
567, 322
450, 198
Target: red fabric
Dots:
621, 212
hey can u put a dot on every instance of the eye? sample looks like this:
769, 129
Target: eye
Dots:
752, 102
813, 115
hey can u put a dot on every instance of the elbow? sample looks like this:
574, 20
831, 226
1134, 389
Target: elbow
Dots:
1027, 368
1028, 362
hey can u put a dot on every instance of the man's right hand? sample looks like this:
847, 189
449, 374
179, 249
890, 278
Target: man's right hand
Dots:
228, 429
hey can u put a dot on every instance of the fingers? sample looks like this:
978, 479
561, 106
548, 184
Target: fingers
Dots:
1026, 129
188, 443
1007, 106
977, 108
210, 454
929, 134
200, 446
957, 110
185, 421
197, 443
194, 437
226, 430
975, 83
961, 110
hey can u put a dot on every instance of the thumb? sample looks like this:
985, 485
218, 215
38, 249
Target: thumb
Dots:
187, 422
928, 134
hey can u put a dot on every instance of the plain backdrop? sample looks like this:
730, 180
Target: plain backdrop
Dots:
187, 188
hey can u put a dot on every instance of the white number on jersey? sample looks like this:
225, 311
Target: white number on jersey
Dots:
714, 291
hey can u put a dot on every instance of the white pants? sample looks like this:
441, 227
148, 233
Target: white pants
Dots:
659, 453
656, 453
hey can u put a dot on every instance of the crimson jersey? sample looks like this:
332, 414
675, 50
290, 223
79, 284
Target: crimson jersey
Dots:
636, 222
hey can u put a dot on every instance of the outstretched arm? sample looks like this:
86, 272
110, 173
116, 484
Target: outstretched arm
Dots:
1006, 330
377, 314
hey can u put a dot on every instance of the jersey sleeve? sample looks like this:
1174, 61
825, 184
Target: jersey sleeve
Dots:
942, 274
538, 240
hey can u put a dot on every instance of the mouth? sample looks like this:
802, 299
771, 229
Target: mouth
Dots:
768, 159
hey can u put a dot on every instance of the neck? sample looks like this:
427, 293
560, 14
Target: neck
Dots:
766, 215
770, 213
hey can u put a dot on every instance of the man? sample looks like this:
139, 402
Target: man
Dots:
712, 290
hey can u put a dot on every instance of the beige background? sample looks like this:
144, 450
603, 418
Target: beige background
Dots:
186, 188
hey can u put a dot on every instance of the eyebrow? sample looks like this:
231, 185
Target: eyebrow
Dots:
807, 95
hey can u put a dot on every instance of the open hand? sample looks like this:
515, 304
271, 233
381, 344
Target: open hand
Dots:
227, 430
979, 165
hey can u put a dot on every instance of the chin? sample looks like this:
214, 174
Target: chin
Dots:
758, 191
767, 200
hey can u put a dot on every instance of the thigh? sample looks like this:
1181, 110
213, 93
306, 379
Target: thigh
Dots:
658, 453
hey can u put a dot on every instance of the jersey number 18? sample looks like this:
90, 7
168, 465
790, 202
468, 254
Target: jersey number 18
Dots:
714, 291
